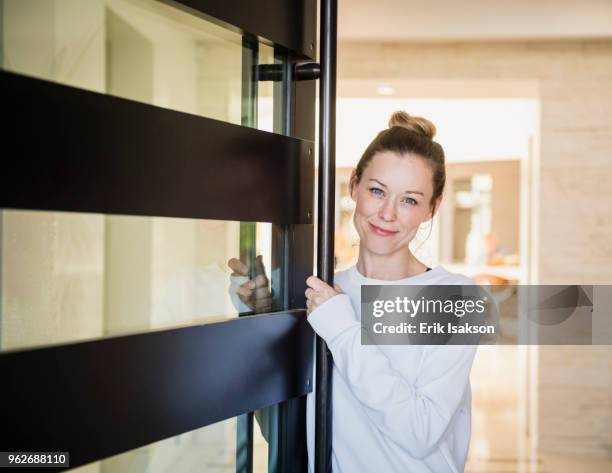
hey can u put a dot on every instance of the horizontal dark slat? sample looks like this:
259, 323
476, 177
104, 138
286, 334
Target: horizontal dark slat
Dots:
68, 149
287, 23
98, 398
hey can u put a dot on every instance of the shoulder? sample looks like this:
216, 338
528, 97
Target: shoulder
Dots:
342, 278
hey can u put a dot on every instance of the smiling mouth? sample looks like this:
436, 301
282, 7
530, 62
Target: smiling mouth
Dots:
381, 231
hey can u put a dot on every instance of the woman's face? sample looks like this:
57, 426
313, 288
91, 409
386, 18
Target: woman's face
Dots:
392, 200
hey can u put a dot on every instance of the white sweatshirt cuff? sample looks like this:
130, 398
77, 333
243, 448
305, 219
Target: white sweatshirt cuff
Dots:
333, 317
235, 283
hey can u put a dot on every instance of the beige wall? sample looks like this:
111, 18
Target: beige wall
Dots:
570, 180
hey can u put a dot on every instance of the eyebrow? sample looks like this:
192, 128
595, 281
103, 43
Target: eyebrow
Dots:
405, 192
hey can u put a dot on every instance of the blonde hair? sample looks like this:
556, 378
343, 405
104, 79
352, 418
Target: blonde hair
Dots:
409, 135
417, 124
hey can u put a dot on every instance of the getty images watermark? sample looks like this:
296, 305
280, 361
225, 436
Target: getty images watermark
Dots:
467, 315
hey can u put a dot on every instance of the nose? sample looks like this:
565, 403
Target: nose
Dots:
387, 211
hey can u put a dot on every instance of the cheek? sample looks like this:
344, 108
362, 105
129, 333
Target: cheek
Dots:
362, 213
364, 207
413, 217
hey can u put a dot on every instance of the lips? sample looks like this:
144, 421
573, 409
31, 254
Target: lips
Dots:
381, 231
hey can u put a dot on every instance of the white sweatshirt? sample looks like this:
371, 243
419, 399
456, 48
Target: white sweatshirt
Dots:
395, 408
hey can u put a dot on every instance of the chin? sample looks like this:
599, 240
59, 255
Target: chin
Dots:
378, 248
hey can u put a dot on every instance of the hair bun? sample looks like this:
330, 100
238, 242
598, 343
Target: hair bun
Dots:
419, 125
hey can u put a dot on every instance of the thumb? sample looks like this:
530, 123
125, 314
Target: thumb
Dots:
259, 266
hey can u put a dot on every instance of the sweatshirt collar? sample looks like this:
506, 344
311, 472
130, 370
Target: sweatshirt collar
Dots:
359, 278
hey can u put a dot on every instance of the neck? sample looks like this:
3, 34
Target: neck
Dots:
399, 265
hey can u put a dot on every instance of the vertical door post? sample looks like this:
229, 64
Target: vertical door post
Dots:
326, 214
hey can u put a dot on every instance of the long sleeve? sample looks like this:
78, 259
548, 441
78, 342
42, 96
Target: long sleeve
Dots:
235, 283
414, 415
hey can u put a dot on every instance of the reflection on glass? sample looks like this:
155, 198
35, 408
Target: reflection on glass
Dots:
211, 449
70, 276
142, 50
265, 93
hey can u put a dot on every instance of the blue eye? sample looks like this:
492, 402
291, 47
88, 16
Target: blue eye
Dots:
376, 191
410, 200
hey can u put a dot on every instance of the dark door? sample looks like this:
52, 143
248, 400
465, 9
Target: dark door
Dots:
145, 144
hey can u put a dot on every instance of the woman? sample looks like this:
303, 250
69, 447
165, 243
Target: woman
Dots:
395, 408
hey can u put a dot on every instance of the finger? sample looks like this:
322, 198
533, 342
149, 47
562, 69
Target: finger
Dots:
316, 283
263, 304
244, 292
337, 288
250, 284
320, 286
259, 266
262, 293
308, 292
261, 281
238, 267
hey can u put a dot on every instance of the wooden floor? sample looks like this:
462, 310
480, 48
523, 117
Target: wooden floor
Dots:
501, 441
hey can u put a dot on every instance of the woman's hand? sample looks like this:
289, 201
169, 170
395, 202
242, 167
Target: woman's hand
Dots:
318, 292
255, 293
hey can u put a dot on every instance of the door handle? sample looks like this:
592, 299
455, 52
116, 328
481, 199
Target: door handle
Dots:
326, 220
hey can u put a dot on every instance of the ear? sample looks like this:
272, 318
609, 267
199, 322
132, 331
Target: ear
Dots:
435, 207
353, 185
